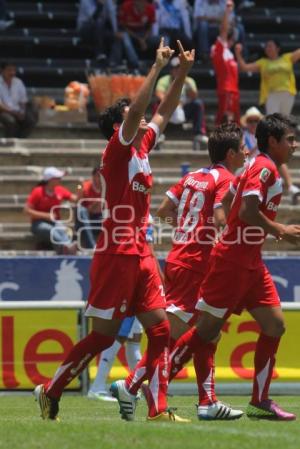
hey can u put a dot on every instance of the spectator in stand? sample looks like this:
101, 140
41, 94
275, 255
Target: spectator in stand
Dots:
43, 207
226, 69
249, 121
89, 209
17, 114
173, 22
4, 23
97, 25
277, 78
191, 107
136, 18
208, 15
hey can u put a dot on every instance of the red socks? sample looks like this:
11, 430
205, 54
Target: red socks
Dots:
182, 351
264, 361
136, 377
204, 363
154, 366
79, 357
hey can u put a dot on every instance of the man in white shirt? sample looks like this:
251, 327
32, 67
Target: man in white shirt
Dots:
17, 115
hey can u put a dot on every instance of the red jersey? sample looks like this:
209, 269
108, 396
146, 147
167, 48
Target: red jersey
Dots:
197, 195
226, 68
240, 242
89, 193
43, 201
126, 180
130, 18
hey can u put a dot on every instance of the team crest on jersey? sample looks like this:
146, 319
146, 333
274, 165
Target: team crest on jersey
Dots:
264, 175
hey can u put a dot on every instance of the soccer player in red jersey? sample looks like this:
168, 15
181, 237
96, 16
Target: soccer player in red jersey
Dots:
238, 279
124, 275
194, 207
226, 70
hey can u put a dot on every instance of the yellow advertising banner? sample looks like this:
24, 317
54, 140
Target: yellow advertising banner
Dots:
234, 358
33, 343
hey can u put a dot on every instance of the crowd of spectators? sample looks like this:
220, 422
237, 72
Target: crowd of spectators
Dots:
131, 28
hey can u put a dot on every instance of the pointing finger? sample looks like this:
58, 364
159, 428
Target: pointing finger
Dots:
162, 42
181, 49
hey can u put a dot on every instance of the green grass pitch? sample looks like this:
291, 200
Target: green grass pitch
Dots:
87, 424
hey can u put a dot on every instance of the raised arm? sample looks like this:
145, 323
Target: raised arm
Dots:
296, 56
139, 105
225, 22
171, 100
243, 65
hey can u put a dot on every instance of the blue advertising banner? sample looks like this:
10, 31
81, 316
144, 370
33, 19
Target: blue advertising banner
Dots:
67, 278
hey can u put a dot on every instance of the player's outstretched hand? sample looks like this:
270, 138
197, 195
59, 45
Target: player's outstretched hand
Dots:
187, 57
163, 54
291, 234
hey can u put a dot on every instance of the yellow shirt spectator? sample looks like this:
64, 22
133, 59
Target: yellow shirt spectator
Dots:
276, 76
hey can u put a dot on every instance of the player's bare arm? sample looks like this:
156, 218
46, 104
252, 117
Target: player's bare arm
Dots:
139, 105
250, 214
227, 201
171, 100
167, 211
219, 218
225, 23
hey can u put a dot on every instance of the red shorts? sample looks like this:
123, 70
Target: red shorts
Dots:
229, 288
124, 285
182, 287
228, 102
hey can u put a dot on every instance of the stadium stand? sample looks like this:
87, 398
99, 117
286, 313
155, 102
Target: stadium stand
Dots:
45, 47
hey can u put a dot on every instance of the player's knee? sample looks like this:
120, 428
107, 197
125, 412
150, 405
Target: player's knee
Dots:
275, 328
208, 334
279, 329
209, 328
217, 339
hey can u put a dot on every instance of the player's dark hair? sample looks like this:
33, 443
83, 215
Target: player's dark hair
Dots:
112, 115
273, 125
223, 138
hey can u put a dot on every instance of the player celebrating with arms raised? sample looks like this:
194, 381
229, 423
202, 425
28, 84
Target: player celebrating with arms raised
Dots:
124, 276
